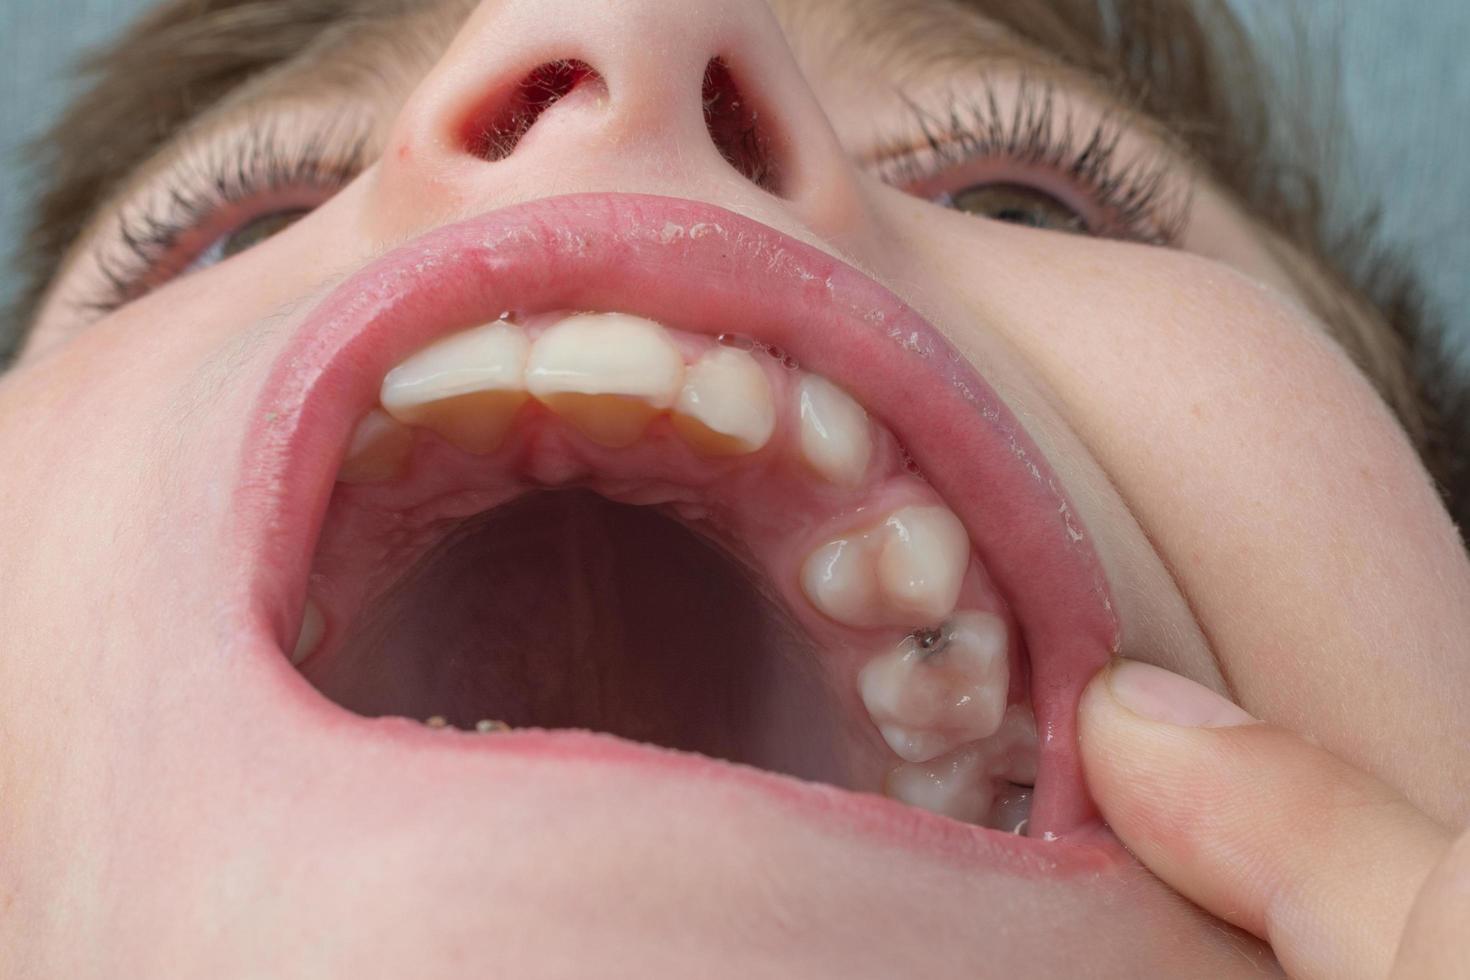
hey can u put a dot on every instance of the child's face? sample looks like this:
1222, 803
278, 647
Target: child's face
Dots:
179, 800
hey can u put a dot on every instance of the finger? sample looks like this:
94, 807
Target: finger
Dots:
1436, 943
1254, 823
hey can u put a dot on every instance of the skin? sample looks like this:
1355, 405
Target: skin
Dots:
1265, 526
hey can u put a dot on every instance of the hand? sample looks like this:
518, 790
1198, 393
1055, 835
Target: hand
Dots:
1342, 876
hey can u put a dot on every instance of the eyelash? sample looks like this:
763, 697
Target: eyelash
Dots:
1143, 202
1139, 195
152, 236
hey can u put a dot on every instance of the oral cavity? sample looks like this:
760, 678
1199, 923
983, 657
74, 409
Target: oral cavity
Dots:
778, 466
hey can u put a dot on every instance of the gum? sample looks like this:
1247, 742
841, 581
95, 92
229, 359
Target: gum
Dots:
767, 509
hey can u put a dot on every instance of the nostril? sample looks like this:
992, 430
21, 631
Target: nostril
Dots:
735, 125
493, 132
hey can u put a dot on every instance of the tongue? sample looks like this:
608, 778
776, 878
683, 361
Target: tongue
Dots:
565, 610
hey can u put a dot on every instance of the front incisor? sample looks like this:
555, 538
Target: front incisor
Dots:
466, 388
608, 374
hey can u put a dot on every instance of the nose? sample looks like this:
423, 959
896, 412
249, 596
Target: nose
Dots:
687, 98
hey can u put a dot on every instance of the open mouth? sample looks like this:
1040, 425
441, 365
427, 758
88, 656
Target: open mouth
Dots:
646, 468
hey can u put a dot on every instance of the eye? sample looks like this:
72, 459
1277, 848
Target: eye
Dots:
1017, 204
247, 235
1028, 153
221, 196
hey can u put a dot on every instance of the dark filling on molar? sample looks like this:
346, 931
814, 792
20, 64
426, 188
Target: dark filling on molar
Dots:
565, 610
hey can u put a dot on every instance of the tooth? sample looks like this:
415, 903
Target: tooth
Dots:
1011, 811
955, 785
835, 437
378, 451
437, 721
929, 700
313, 628
486, 726
839, 580
608, 374
725, 407
1015, 747
466, 387
923, 562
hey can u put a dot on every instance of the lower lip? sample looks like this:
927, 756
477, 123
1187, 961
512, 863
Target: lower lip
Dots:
707, 270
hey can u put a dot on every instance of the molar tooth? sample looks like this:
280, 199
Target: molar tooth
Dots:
839, 578
930, 699
1016, 749
466, 387
608, 374
378, 451
835, 436
923, 562
955, 785
313, 628
725, 407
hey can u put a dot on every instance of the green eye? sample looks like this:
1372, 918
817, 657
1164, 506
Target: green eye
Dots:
1017, 204
255, 231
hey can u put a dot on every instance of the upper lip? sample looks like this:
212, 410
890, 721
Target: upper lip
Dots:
703, 269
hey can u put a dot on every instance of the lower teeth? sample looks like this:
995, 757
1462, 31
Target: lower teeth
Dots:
484, 726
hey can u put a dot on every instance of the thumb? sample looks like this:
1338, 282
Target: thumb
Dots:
1255, 824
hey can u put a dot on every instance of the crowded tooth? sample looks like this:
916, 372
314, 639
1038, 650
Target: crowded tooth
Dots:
378, 451
941, 689
922, 565
725, 407
313, 628
466, 387
608, 374
955, 785
835, 438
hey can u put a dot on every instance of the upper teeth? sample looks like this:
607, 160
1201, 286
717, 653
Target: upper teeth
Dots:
909, 569
928, 699
466, 387
608, 374
835, 440
725, 407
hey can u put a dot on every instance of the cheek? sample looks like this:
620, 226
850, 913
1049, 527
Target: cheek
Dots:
1293, 516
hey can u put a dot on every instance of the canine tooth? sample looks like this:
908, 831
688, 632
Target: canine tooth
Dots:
929, 699
378, 451
608, 374
725, 407
313, 628
835, 437
923, 562
955, 785
466, 387
839, 578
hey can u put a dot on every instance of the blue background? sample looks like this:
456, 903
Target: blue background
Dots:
1401, 72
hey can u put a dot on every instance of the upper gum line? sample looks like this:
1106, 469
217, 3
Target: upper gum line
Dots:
568, 399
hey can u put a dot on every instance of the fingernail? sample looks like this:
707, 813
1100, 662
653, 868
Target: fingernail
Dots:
1159, 695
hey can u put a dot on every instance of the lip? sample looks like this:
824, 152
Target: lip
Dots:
703, 269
